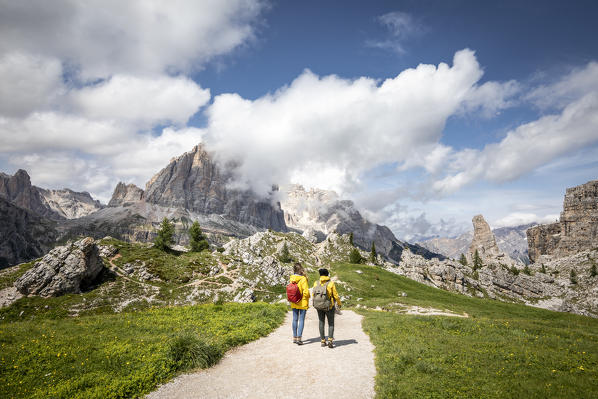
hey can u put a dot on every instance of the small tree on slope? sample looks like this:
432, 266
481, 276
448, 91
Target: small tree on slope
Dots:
477, 261
463, 259
355, 256
164, 238
285, 256
196, 238
373, 254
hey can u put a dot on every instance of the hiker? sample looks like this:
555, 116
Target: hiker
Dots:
299, 300
325, 298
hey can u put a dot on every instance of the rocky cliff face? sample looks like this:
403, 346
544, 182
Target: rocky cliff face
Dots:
125, 195
577, 229
18, 190
53, 204
24, 235
70, 204
321, 212
195, 182
483, 239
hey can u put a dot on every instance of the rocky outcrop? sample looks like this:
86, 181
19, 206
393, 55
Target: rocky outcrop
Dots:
321, 212
548, 287
510, 240
24, 235
195, 182
18, 190
125, 195
577, 229
65, 269
70, 204
483, 239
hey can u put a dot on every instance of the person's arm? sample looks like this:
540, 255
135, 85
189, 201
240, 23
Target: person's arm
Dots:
336, 297
305, 288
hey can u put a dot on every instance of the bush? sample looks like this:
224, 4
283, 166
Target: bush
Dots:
593, 271
543, 269
164, 238
355, 256
188, 351
527, 270
514, 270
573, 277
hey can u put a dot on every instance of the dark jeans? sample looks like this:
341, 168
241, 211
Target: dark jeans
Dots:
322, 314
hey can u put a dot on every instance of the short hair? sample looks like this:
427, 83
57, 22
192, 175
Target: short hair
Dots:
298, 269
323, 272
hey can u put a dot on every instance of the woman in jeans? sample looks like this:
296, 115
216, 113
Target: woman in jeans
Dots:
300, 307
328, 314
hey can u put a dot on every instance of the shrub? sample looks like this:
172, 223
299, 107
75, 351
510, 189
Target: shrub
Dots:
164, 238
573, 277
220, 249
527, 270
593, 271
514, 270
543, 269
355, 256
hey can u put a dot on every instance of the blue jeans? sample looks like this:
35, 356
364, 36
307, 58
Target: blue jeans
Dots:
298, 321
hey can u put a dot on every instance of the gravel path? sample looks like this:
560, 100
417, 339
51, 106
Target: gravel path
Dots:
263, 368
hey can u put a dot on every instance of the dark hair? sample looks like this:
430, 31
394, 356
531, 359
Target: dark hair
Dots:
323, 272
298, 269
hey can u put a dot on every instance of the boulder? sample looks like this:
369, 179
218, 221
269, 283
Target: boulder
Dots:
65, 269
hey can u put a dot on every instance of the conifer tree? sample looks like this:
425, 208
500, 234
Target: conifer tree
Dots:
573, 277
593, 271
463, 259
164, 238
373, 254
197, 240
543, 269
351, 238
355, 256
285, 256
477, 261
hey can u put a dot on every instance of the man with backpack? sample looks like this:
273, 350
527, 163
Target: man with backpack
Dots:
298, 296
325, 297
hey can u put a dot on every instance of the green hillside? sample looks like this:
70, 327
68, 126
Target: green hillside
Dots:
500, 350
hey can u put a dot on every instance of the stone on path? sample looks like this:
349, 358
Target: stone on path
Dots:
274, 367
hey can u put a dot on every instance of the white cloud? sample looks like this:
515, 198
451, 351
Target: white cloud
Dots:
142, 101
519, 218
101, 38
527, 147
491, 97
400, 25
27, 83
326, 123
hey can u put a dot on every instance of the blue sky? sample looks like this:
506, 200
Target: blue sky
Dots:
423, 112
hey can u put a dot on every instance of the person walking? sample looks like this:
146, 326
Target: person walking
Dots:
300, 307
325, 299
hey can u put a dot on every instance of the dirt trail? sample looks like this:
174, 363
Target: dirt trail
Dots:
264, 368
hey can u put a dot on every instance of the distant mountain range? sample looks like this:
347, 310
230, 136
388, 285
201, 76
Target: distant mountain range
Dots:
510, 240
191, 187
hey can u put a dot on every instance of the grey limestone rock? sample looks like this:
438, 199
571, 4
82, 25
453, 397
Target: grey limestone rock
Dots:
65, 269
577, 229
125, 195
483, 239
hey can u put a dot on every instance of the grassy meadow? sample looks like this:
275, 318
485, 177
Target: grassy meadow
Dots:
123, 355
501, 350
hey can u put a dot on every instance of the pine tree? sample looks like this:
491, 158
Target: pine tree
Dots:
197, 240
285, 256
351, 238
373, 254
355, 256
593, 271
543, 269
477, 261
463, 260
164, 238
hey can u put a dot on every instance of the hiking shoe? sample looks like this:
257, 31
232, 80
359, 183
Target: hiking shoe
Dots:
299, 342
294, 340
330, 344
323, 343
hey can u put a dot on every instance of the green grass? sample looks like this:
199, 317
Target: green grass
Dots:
502, 350
123, 355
